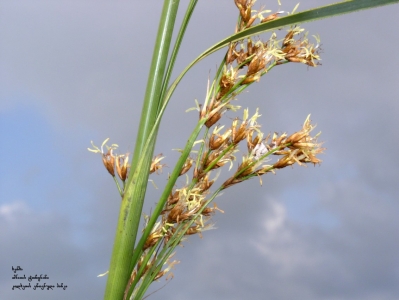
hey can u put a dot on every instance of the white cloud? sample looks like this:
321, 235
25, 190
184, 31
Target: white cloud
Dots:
281, 244
10, 211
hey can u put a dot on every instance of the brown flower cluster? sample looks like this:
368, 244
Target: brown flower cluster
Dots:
186, 203
299, 147
189, 203
221, 147
248, 60
147, 266
258, 57
120, 163
183, 205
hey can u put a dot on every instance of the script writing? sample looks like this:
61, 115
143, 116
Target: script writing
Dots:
35, 282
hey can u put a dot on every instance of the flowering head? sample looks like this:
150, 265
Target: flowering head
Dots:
108, 158
122, 166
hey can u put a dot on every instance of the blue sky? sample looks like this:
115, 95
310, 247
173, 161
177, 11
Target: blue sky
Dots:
72, 72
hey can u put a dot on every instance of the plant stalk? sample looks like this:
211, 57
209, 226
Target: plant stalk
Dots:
132, 202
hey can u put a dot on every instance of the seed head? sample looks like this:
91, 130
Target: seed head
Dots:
187, 165
122, 166
155, 165
271, 17
109, 162
107, 158
227, 81
216, 140
213, 118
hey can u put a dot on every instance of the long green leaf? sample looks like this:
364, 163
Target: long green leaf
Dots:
176, 48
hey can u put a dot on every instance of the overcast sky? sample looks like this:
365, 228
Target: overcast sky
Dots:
75, 71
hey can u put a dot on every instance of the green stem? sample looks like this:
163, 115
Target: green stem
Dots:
132, 202
118, 186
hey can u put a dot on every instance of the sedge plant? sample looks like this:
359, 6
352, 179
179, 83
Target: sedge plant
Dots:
136, 262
